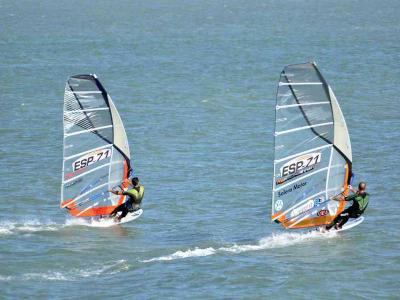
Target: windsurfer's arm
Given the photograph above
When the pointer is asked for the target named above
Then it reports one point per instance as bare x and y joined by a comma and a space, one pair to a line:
115, 192
338, 197
350, 198
353, 190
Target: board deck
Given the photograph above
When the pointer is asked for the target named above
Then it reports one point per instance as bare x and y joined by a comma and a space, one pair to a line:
350, 224
107, 222
131, 216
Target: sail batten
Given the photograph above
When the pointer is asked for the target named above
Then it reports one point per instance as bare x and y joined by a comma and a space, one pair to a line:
88, 151
301, 153
85, 174
302, 104
96, 153
88, 130
302, 128
312, 152
300, 83
85, 110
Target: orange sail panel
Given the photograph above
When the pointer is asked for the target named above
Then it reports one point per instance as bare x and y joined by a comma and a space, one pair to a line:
96, 153
312, 150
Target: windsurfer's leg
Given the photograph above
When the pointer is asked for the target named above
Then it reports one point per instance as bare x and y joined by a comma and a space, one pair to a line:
347, 214
124, 213
114, 212
351, 213
334, 222
339, 219
117, 209
343, 221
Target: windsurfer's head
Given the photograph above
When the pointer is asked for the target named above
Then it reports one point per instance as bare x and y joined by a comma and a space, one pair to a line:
135, 181
362, 186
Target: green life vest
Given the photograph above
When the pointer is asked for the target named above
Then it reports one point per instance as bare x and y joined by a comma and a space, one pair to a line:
362, 201
135, 195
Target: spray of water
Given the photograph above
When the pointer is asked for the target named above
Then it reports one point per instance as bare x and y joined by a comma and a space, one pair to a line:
269, 242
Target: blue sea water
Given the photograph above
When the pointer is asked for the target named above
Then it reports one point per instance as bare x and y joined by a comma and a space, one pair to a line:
195, 84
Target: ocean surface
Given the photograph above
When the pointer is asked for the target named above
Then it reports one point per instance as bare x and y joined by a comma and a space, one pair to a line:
195, 84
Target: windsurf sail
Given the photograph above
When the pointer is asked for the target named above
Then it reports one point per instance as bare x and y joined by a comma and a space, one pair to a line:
96, 153
312, 150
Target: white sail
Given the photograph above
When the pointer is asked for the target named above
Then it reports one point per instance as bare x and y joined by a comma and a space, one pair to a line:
96, 152
312, 155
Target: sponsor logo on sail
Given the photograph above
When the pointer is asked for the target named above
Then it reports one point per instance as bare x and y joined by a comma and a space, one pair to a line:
295, 187
306, 206
303, 208
322, 212
278, 205
298, 166
319, 201
69, 184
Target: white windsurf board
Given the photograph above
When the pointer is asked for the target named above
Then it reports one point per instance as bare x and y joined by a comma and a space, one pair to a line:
107, 221
350, 224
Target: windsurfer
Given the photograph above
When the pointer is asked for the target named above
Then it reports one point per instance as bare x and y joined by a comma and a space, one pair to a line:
360, 203
135, 196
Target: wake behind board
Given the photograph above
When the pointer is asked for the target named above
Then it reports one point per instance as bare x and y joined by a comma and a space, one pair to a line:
351, 223
107, 221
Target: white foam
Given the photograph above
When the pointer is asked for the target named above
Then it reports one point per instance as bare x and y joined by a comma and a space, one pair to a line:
280, 240
73, 274
274, 241
8, 227
90, 222
35, 225
185, 254
5, 231
50, 276
5, 278
77, 221
109, 268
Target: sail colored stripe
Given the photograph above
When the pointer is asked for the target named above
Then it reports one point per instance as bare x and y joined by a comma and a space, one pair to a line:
96, 153
312, 151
